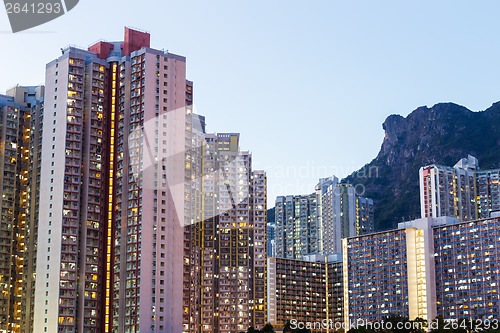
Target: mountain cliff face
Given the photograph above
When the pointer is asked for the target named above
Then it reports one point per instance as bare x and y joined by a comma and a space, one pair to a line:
442, 134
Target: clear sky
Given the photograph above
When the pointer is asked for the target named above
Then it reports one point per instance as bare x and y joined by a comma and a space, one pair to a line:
308, 84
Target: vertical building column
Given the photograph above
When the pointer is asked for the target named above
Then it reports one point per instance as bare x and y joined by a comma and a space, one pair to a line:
271, 290
109, 231
345, 279
411, 259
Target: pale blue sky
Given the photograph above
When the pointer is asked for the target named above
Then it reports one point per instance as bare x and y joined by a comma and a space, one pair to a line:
308, 84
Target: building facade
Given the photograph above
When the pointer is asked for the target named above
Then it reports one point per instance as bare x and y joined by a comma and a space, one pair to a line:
343, 214
67, 175
376, 286
316, 223
151, 138
32, 210
467, 262
308, 290
487, 192
119, 213
364, 215
116, 140
16, 225
226, 258
297, 226
425, 268
463, 191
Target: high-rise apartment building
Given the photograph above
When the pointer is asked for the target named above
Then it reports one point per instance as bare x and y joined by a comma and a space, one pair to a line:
467, 262
297, 226
366, 265
308, 290
487, 192
316, 223
19, 109
365, 222
463, 191
425, 268
343, 213
34, 97
385, 273
69, 253
225, 288
117, 132
446, 191
33, 203
152, 162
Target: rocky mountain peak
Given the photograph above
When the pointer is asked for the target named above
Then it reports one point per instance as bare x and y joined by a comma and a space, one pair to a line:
441, 134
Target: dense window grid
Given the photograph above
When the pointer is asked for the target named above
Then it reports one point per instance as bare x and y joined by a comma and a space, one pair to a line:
377, 275
467, 269
307, 291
